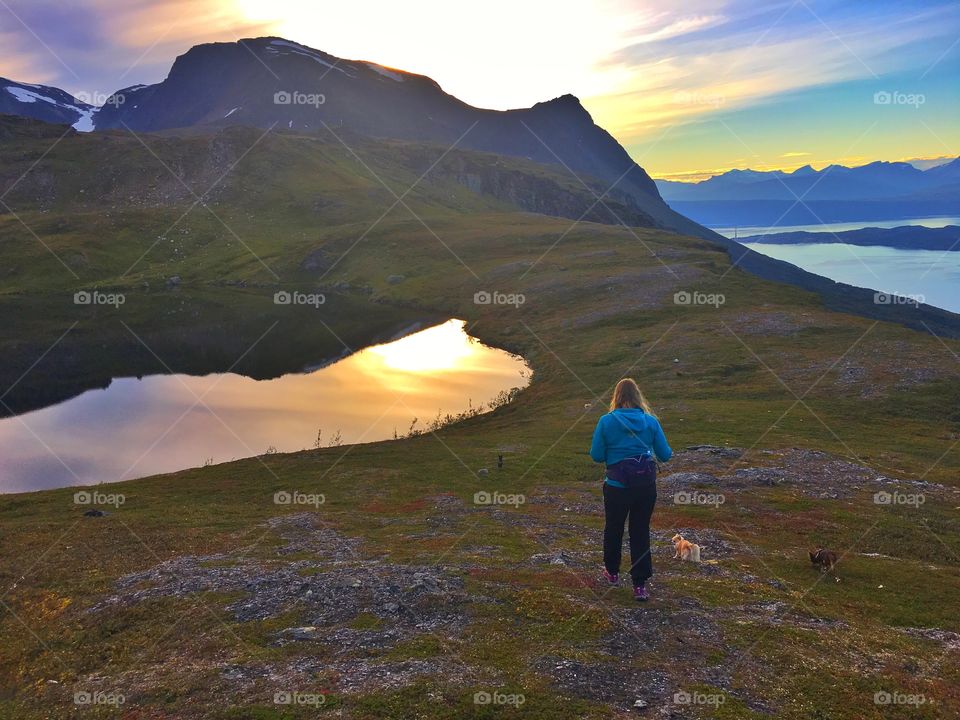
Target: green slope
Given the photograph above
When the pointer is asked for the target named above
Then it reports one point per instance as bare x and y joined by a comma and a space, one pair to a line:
766, 371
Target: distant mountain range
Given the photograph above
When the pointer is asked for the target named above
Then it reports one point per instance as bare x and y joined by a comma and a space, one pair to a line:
909, 237
876, 191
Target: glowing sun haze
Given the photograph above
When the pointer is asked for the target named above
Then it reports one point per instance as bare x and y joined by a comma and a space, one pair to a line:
689, 88
442, 348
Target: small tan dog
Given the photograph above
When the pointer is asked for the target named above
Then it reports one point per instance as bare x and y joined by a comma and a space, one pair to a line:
686, 550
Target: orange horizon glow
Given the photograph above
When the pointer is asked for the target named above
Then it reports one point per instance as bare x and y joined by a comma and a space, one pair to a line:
695, 176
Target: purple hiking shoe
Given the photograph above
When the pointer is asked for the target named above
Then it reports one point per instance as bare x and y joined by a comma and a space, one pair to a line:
640, 593
611, 578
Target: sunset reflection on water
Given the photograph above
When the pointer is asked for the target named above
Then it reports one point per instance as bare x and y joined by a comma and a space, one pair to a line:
164, 423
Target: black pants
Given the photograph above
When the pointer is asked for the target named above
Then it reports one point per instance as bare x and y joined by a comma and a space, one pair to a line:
637, 504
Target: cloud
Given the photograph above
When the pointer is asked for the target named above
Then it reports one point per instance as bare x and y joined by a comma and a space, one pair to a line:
98, 46
677, 27
794, 154
756, 56
19, 62
141, 24
692, 176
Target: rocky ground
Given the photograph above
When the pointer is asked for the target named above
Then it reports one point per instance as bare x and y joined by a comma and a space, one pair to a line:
340, 615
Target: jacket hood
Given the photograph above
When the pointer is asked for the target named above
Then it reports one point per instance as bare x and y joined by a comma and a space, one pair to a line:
633, 419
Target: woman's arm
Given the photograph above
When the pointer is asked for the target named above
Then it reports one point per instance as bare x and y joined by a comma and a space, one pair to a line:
660, 446
598, 448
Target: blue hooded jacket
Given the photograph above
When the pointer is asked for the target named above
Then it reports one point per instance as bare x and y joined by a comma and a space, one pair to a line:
628, 432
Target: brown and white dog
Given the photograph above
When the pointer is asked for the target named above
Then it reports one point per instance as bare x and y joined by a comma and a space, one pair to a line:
823, 559
685, 550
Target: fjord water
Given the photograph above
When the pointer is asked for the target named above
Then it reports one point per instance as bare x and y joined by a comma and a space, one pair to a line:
930, 276
162, 423
744, 231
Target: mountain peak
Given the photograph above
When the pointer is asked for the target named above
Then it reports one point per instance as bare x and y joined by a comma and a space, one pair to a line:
565, 99
567, 104
271, 82
889, 165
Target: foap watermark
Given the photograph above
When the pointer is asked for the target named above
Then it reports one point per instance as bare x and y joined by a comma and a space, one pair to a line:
95, 497
485, 297
685, 297
101, 99
295, 497
882, 697
498, 698
694, 497
684, 97
898, 498
98, 697
95, 297
897, 298
895, 97
295, 97
294, 697
498, 498
682, 697
283, 297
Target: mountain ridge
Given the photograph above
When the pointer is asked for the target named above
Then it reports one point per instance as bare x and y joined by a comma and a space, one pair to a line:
357, 95
872, 180
273, 82
879, 190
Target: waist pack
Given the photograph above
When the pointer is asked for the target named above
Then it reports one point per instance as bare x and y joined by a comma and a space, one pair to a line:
633, 471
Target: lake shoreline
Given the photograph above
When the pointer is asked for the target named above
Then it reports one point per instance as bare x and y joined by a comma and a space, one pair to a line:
169, 422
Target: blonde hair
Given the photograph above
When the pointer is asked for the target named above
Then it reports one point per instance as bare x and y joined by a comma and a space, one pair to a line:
627, 395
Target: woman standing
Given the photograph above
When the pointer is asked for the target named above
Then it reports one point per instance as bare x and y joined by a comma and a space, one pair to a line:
629, 439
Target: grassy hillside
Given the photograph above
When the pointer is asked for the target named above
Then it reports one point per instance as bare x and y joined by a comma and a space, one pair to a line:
399, 596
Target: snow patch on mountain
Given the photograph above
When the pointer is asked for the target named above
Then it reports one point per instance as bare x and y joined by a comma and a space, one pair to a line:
27, 96
297, 49
85, 121
386, 72
85, 113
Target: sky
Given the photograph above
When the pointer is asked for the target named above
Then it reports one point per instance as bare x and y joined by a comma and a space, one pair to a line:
690, 88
